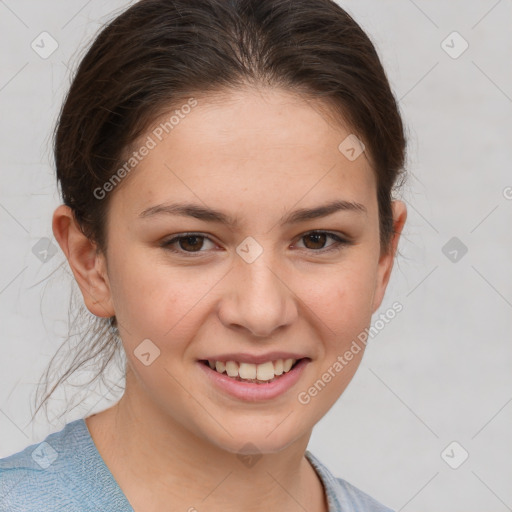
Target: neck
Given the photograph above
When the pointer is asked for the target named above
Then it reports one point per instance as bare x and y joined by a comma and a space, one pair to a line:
157, 461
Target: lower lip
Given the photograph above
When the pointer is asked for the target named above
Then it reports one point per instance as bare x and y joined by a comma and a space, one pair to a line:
251, 391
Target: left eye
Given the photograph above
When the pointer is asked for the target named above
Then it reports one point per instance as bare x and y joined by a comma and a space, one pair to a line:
320, 237
190, 243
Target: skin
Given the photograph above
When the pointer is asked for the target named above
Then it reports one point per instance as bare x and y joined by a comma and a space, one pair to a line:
256, 155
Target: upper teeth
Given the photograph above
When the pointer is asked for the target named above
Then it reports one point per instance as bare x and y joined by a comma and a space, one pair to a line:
263, 371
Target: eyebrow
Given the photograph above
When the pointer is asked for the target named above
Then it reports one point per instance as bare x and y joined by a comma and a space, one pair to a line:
210, 215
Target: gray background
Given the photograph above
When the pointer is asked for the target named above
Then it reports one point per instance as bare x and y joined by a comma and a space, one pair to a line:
440, 371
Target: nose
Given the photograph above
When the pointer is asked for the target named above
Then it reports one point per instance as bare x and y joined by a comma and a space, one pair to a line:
257, 299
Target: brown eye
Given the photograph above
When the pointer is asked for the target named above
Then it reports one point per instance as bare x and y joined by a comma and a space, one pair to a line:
191, 243
315, 241
188, 243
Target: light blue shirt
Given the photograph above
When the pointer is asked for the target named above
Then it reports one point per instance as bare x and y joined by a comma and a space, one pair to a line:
65, 472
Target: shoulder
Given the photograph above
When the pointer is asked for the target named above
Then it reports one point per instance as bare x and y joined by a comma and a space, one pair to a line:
359, 500
342, 495
42, 476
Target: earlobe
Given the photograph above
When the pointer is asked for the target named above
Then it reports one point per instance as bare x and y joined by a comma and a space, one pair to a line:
387, 258
87, 265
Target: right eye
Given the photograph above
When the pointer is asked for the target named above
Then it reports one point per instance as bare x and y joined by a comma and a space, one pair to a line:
188, 243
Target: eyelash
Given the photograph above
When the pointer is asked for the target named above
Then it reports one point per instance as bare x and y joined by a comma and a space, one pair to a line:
338, 245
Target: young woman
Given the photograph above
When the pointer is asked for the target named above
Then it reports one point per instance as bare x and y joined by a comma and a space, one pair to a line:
227, 170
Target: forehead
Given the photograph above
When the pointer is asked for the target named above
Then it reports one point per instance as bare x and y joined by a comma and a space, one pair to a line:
246, 146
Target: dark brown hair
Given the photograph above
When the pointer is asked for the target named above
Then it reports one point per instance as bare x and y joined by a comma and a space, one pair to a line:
157, 53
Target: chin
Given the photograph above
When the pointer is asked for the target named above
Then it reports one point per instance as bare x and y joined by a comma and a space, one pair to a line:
258, 439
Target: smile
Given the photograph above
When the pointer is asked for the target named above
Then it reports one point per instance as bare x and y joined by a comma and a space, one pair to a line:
264, 372
254, 382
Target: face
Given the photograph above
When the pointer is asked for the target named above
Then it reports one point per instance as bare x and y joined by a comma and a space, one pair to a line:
187, 287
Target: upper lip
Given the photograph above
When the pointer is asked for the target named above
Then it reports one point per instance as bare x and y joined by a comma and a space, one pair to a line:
255, 358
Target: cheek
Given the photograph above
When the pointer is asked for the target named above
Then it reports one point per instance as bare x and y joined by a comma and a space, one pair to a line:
156, 301
342, 296
143, 296
342, 302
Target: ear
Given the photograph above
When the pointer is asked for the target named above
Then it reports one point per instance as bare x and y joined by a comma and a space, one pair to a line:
387, 257
88, 266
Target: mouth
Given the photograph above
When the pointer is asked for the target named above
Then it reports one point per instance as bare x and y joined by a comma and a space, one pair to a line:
254, 382
261, 374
